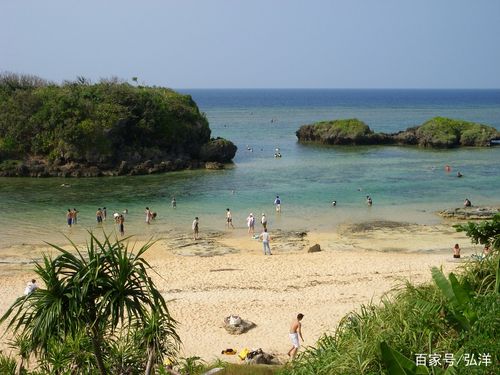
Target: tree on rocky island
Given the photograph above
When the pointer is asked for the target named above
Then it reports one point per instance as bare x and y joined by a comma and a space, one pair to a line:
79, 128
438, 132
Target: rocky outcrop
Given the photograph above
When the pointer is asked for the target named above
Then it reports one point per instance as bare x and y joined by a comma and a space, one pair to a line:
237, 327
438, 132
219, 150
79, 129
314, 249
470, 213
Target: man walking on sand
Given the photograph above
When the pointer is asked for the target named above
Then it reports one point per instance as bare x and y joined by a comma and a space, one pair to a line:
295, 332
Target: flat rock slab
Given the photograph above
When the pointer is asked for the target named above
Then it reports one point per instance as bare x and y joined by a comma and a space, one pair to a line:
470, 213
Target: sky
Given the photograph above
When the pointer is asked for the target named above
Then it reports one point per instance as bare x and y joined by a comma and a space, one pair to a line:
256, 43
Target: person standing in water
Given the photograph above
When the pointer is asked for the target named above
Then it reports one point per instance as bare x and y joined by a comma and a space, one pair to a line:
75, 216
251, 224
121, 221
229, 218
277, 203
263, 221
174, 202
98, 216
294, 333
149, 215
369, 201
69, 218
196, 228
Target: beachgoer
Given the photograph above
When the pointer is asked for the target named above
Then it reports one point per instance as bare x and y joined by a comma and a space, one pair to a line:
69, 217
174, 202
98, 215
116, 216
104, 213
229, 218
30, 287
456, 251
295, 332
467, 202
149, 215
447, 168
459, 174
251, 223
125, 211
277, 203
75, 216
153, 215
196, 228
334, 203
263, 221
369, 201
121, 220
265, 237
486, 250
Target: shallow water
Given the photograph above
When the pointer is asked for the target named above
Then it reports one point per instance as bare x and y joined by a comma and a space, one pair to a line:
406, 183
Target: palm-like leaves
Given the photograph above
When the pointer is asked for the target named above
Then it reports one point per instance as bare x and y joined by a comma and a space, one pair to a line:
98, 291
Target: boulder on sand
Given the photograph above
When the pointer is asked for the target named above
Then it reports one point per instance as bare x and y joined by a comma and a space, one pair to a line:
314, 249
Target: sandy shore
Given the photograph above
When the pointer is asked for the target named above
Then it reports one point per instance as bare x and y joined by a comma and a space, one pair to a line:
226, 273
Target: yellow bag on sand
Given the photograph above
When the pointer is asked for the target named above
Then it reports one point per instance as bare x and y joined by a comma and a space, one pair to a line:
243, 353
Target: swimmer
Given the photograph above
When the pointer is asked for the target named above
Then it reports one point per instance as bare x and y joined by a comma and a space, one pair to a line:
369, 201
467, 203
125, 211
334, 203
459, 174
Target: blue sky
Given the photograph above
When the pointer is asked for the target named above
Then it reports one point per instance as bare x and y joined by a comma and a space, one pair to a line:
257, 43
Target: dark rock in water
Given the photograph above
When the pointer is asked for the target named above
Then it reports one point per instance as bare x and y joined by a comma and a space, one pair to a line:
470, 213
314, 249
220, 150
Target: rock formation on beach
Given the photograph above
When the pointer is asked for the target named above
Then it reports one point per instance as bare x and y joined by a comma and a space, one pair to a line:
438, 132
470, 213
81, 129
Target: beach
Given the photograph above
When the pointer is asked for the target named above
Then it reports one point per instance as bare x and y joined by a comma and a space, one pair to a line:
226, 272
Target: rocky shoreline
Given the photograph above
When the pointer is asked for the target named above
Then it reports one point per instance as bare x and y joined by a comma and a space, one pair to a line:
470, 213
42, 168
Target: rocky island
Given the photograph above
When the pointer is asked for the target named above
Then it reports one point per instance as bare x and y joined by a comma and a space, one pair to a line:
438, 132
81, 129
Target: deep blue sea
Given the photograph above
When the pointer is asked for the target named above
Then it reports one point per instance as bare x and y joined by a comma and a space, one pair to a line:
406, 183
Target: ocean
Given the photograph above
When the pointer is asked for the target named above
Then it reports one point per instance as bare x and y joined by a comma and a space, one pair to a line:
405, 183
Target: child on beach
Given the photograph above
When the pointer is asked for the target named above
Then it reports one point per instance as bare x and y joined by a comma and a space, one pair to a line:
456, 251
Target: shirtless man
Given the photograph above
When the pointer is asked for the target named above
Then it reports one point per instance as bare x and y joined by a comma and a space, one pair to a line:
295, 332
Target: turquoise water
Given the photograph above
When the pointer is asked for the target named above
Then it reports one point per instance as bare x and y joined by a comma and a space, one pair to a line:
405, 183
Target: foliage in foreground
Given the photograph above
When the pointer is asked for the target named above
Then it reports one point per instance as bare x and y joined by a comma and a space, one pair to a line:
99, 312
457, 315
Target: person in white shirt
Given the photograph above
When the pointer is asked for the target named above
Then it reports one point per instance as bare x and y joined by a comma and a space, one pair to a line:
229, 218
265, 237
30, 287
263, 221
195, 227
251, 223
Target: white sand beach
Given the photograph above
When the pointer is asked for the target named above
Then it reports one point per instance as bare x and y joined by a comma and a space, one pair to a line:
357, 264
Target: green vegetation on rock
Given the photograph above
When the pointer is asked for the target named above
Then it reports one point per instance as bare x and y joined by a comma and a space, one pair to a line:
438, 132
102, 124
